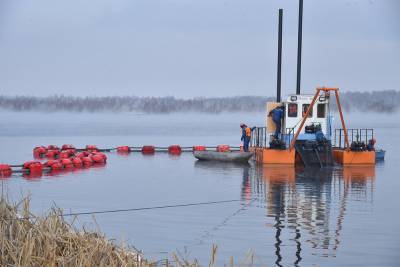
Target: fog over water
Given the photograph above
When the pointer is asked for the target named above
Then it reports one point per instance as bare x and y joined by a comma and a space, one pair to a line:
377, 101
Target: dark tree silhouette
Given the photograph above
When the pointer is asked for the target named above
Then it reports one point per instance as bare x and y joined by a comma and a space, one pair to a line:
377, 101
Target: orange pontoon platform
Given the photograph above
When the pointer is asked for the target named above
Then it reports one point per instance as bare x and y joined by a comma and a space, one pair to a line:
347, 157
275, 156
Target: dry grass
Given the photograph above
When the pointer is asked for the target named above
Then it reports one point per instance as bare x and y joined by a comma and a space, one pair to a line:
28, 240
51, 241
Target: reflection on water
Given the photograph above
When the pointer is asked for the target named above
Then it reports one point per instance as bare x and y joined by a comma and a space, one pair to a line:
310, 202
304, 206
218, 166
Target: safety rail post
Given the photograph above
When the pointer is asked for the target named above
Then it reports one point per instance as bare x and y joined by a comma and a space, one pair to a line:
256, 137
358, 132
335, 138
262, 137
346, 138
265, 137
289, 132
352, 136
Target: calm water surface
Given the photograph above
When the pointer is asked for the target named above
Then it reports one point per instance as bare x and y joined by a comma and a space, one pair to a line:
286, 216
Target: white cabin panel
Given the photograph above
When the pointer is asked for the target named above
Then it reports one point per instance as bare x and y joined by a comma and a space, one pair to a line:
297, 105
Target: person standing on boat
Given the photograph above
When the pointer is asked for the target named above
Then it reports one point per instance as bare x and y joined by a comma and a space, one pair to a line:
277, 115
371, 145
246, 135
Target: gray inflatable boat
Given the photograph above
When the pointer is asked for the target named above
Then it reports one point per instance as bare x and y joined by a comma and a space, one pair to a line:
223, 156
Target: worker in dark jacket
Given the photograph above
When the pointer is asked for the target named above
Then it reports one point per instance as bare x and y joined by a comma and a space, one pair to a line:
371, 145
277, 115
246, 135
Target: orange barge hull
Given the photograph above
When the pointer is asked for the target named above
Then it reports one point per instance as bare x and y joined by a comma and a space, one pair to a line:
345, 157
275, 156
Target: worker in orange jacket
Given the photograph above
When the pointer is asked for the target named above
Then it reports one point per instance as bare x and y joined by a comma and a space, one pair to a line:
246, 135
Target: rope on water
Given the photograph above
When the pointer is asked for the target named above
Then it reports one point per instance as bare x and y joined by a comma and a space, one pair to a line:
151, 208
134, 209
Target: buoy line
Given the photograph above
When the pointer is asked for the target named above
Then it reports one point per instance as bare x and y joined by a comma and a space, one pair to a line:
68, 157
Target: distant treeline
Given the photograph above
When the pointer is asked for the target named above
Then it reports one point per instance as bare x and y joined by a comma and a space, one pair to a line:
378, 101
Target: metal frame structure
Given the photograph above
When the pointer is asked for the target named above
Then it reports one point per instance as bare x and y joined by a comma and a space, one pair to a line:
260, 138
305, 116
359, 135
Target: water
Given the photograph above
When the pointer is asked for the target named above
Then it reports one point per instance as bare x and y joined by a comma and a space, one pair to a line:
286, 216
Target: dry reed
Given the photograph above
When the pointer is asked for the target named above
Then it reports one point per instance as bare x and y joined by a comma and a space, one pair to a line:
27, 240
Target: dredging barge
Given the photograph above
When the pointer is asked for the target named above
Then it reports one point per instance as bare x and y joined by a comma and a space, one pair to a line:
307, 137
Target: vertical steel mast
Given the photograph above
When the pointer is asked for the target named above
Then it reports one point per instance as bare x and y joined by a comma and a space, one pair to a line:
299, 43
278, 80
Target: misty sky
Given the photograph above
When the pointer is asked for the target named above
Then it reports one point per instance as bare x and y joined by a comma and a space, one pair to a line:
188, 48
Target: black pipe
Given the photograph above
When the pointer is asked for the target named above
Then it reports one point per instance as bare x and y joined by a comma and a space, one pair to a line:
278, 81
299, 43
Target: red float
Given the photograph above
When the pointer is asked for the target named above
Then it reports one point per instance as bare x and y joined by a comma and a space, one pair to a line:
56, 166
82, 154
68, 146
71, 151
98, 158
91, 148
148, 150
50, 162
123, 149
52, 154
65, 154
28, 163
100, 154
223, 148
175, 149
67, 164
53, 147
77, 162
5, 171
35, 169
199, 148
39, 152
87, 161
